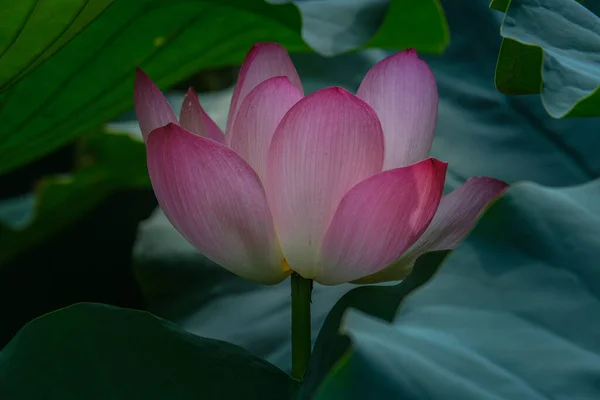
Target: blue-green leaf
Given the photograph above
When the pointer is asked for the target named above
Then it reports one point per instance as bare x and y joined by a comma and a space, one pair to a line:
551, 47
511, 314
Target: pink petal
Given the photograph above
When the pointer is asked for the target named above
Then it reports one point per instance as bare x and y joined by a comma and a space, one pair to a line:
457, 213
326, 143
151, 107
216, 201
263, 61
379, 219
403, 92
257, 118
453, 220
194, 119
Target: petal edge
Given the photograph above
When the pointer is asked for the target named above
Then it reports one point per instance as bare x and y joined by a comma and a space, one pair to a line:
402, 90
258, 117
326, 143
378, 219
196, 120
455, 217
151, 107
263, 61
216, 201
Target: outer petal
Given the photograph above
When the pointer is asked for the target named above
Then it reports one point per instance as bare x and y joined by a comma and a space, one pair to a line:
216, 201
403, 92
151, 107
454, 218
328, 142
379, 219
263, 61
194, 119
257, 118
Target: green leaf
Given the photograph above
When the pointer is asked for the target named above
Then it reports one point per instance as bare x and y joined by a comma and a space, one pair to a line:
93, 351
511, 315
380, 301
417, 24
502, 5
108, 162
519, 68
387, 24
551, 47
499, 5
33, 30
89, 81
481, 131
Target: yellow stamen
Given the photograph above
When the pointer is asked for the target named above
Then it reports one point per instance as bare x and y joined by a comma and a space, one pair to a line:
286, 267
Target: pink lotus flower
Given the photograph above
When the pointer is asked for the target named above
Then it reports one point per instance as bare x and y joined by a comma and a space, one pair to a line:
333, 186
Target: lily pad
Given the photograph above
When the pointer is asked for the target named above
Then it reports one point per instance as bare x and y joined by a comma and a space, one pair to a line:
551, 47
511, 314
381, 301
94, 351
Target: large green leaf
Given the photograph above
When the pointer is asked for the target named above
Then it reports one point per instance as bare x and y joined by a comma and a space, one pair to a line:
511, 315
33, 30
551, 47
93, 351
484, 132
108, 163
89, 81
406, 24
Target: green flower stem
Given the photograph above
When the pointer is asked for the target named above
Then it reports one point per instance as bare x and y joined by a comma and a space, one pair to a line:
301, 343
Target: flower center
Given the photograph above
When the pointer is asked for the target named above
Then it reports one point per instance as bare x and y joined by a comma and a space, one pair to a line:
286, 267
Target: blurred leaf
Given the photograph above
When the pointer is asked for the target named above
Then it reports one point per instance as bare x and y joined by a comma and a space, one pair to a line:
502, 5
499, 5
512, 315
551, 47
417, 24
88, 260
325, 22
387, 24
108, 162
519, 68
481, 131
93, 351
71, 240
90, 79
380, 301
